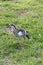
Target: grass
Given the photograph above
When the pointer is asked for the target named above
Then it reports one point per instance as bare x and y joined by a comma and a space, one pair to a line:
27, 14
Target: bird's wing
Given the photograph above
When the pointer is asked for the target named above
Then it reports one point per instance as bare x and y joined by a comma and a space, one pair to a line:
20, 29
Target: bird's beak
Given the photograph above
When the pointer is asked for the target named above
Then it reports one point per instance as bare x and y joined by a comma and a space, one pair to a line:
8, 26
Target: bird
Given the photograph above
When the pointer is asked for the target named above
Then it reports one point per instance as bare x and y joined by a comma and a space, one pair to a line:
18, 32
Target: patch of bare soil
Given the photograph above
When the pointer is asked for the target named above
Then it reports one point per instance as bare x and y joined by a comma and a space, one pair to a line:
22, 11
6, 61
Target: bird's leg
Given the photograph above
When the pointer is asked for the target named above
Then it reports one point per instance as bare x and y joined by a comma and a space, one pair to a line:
17, 40
23, 40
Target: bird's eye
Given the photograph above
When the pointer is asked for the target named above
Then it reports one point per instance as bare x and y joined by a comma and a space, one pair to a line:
9, 27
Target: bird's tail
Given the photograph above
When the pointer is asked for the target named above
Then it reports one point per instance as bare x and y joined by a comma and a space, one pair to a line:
28, 36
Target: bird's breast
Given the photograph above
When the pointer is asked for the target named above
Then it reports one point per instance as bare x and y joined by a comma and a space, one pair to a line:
20, 33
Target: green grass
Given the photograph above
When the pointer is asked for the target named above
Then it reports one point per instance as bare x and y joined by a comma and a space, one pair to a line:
27, 14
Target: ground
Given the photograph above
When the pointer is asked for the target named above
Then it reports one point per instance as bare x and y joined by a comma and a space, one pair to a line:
27, 14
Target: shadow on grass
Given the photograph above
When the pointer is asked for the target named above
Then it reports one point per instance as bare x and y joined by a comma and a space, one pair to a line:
11, 48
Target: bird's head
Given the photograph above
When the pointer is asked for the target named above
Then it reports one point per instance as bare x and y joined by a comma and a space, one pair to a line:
11, 27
